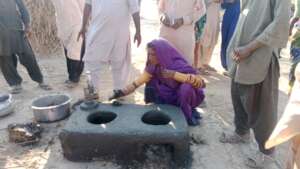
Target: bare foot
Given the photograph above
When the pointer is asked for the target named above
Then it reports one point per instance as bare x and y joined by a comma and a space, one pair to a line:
262, 161
203, 71
70, 84
209, 68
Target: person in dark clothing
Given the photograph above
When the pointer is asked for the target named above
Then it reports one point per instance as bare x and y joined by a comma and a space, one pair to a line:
14, 45
68, 22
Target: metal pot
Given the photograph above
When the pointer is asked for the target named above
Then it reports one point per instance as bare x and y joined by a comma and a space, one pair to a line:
51, 108
6, 104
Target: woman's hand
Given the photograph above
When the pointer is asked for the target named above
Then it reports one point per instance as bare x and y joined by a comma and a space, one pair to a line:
124, 92
196, 81
129, 89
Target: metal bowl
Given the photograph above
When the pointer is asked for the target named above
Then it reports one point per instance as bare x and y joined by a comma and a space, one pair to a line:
51, 108
6, 105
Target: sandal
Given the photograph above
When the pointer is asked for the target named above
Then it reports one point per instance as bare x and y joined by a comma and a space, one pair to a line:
209, 68
45, 86
196, 114
234, 138
262, 161
70, 84
203, 71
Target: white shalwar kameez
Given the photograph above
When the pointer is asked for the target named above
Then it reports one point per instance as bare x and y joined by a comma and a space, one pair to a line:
108, 40
68, 20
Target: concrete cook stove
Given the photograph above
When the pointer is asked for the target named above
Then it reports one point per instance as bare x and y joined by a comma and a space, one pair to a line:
108, 132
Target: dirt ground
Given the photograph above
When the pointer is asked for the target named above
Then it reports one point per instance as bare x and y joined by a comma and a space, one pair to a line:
218, 115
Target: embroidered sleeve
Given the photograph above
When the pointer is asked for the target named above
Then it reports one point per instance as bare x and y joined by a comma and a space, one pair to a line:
144, 78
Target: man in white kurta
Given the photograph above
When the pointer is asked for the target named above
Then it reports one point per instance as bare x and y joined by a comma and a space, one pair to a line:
178, 21
108, 38
68, 20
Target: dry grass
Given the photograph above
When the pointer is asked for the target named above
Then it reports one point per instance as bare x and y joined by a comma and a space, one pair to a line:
44, 39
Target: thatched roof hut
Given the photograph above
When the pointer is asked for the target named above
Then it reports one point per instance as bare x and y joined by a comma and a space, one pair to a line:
43, 39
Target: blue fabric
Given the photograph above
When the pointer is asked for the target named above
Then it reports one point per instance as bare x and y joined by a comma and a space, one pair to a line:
295, 54
230, 19
199, 26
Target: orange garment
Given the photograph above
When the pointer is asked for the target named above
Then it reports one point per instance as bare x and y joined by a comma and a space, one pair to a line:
288, 128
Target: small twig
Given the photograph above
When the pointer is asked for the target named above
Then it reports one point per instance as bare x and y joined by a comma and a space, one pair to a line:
43, 157
50, 142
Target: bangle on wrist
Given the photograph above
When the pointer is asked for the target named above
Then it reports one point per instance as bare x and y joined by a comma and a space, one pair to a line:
135, 85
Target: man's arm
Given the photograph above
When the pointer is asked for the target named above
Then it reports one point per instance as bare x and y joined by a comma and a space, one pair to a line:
276, 34
24, 14
135, 11
86, 16
137, 23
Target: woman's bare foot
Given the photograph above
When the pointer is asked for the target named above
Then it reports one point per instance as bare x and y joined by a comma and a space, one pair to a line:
209, 68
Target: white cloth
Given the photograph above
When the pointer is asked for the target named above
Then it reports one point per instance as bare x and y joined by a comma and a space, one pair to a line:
183, 38
108, 40
68, 20
288, 126
98, 69
211, 30
108, 36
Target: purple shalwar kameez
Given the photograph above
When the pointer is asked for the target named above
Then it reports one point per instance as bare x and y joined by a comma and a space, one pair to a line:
169, 91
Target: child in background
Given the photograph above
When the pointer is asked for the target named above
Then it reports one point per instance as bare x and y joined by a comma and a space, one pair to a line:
295, 52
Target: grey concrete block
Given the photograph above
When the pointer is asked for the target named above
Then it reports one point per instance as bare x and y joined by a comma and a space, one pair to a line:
121, 132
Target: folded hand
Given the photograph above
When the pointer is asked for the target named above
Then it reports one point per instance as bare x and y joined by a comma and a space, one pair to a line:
241, 53
165, 20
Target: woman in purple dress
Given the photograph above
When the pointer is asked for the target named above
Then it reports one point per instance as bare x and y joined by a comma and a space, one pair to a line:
169, 80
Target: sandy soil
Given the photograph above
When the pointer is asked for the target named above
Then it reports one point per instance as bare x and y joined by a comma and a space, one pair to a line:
218, 115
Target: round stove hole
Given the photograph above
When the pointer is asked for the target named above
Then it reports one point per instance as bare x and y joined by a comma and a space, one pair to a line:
155, 117
101, 117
